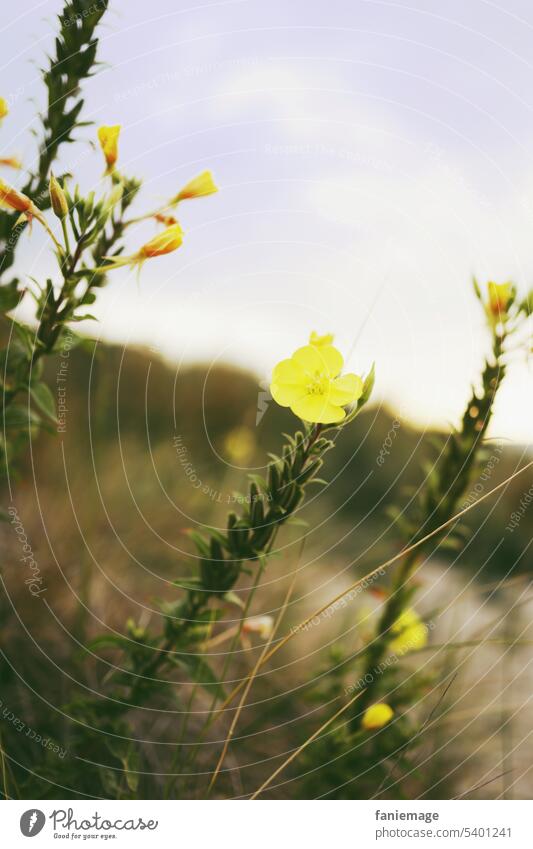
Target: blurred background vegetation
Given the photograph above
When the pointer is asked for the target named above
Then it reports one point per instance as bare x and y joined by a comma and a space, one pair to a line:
106, 506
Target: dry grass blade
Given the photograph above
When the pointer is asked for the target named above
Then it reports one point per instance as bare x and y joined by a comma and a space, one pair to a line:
250, 681
292, 633
309, 740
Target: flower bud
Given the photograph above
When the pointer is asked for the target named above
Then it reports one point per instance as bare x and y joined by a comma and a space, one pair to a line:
11, 162
58, 198
198, 187
108, 138
164, 243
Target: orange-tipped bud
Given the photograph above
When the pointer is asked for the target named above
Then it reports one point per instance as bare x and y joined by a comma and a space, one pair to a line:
108, 138
11, 162
167, 220
198, 187
500, 296
15, 200
164, 243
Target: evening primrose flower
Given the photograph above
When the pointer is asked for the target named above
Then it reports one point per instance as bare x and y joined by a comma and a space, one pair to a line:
310, 385
164, 243
108, 138
500, 296
198, 187
409, 633
376, 716
315, 339
4, 108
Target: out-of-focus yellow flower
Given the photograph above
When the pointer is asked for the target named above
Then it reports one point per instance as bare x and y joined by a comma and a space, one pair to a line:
261, 625
376, 716
315, 339
309, 384
410, 633
164, 243
499, 298
239, 444
11, 162
4, 108
198, 187
108, 138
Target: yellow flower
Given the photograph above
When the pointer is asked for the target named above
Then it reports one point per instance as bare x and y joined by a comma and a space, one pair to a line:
164, 243
500, 296
11, 162
317, 340
198, 187
376, 716
308, 383
411, 633
4, 109
108, 138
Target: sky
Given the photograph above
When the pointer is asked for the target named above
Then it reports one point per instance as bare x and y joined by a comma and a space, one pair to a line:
371, 156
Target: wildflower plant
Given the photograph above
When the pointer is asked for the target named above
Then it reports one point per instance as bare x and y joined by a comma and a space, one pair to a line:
143, 668
86, 232
221, 559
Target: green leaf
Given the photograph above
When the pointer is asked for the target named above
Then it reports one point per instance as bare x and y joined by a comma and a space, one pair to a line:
9, 296
233, 598
200, 672
44, 399
18, 416
105, 641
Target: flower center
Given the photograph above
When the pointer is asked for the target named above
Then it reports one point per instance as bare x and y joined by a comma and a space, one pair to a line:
318, 384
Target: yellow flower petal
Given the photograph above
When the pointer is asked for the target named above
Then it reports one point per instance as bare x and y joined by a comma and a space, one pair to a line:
346, 389
325, 360
317, 409
287, 394
288, 371
376, 716
315, 339
4, 109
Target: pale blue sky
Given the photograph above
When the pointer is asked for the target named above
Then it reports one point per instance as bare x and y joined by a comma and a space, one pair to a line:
371, 157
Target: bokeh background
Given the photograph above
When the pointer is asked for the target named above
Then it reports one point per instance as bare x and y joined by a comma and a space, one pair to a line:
371, 157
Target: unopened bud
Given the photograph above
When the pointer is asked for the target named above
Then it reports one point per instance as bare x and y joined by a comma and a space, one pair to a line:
58, 198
